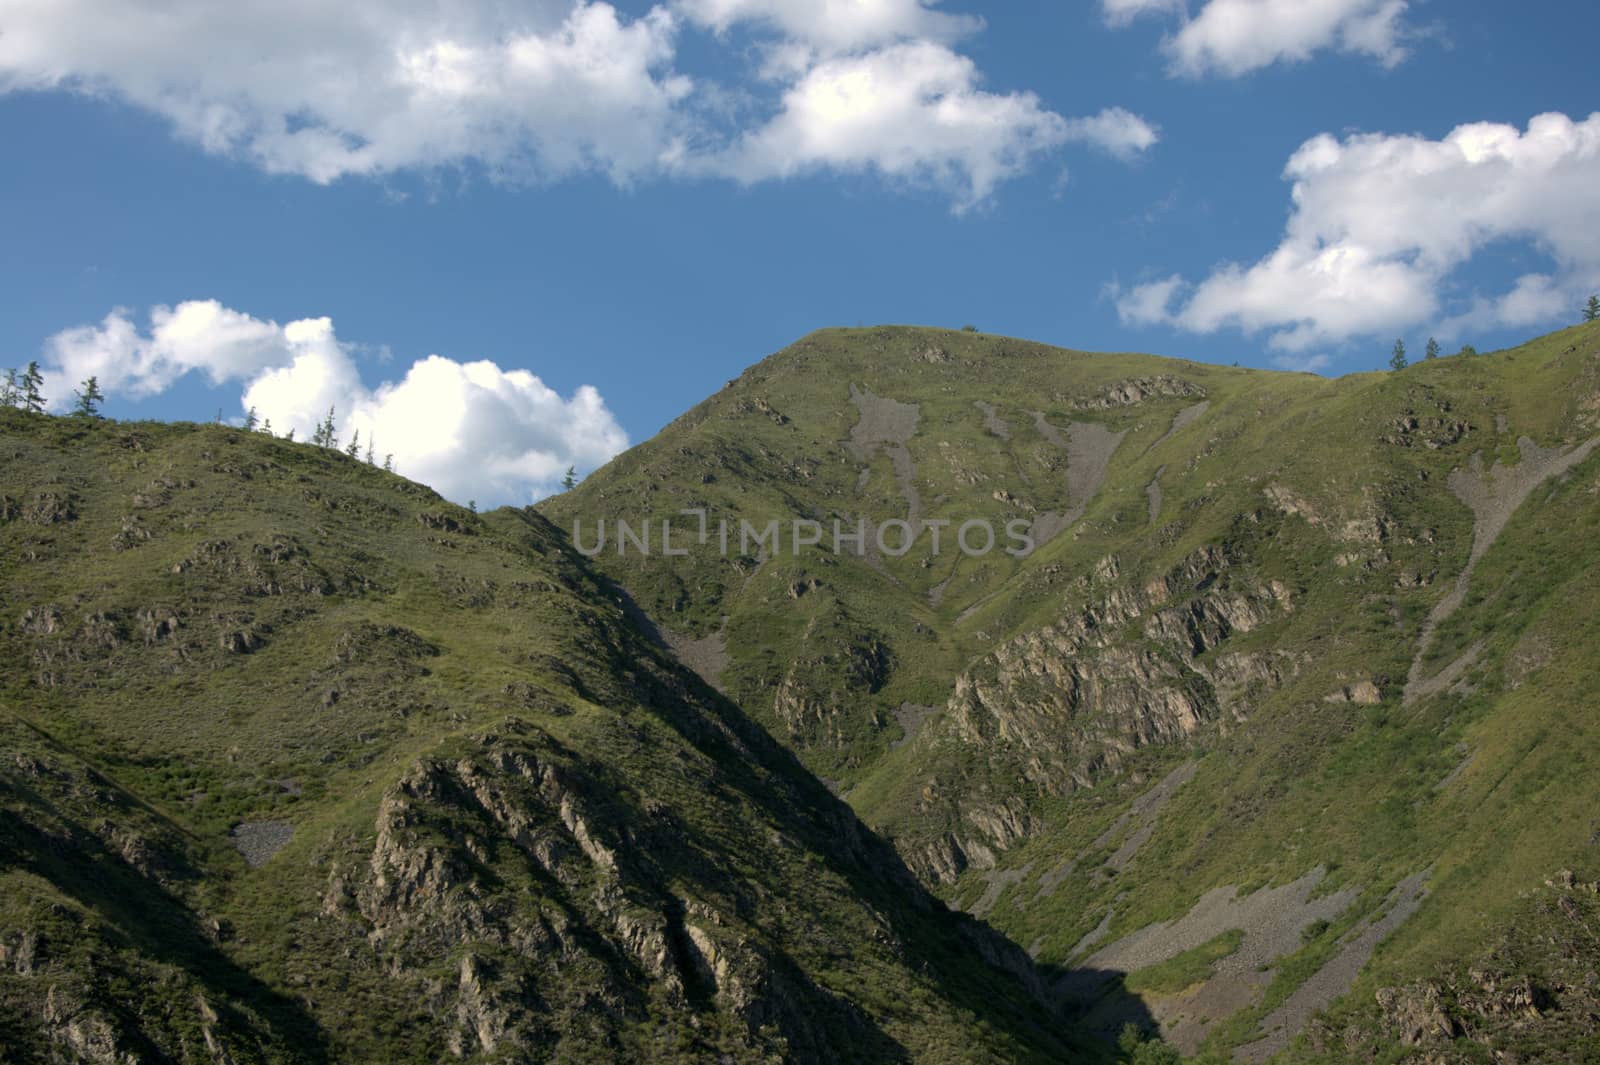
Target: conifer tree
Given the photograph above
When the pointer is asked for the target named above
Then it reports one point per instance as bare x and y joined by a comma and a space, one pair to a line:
10, 391
354, 450
1432, 351
570, 481
89, 397
1397, 361
266, 427
1591, 310
371, 439
388, 463
250, 420
32, 382
326, 435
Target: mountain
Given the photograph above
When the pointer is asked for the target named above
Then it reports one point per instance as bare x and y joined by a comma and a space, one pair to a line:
301, 763
1271, 712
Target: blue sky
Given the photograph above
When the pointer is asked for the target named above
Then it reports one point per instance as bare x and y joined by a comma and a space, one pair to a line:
645, 200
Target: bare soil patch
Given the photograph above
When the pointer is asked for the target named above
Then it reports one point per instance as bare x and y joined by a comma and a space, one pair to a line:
258, 841
1338, 975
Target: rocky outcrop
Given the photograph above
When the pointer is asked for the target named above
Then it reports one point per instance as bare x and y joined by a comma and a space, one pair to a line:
449, 835
1068, 703
822, 701
1121, 674
1138, 389
1362, 693
1533, 996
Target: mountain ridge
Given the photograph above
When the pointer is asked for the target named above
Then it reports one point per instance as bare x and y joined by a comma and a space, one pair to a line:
303, 763
1256, 551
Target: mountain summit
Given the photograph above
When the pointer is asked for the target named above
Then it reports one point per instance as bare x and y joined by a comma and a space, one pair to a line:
921, 696
1272, 695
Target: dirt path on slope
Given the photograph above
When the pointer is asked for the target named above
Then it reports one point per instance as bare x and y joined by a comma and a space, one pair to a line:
998, 881
1493, 495
1271, 920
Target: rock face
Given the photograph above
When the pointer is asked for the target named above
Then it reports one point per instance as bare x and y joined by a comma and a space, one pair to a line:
449, 832
1139, 389
623, 916
1068, 703
819, 701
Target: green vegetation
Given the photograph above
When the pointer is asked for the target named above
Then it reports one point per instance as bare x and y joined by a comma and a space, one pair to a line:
87, 399
1187, 969
306, 764
486, 814
1136, 1048
1246, 593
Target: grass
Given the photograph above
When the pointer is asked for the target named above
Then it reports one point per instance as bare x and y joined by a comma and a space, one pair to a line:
1305, 482
1186, 970
331, 639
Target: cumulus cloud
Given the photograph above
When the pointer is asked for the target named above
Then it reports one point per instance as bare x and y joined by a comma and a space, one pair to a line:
1235, 37
915, 112
1380, 225
201, 335
470, 430
1145, 304
362, 87
1115, 131
545, 89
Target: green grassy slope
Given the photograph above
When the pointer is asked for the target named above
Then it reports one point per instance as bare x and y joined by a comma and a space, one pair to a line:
1244, 595
487, 819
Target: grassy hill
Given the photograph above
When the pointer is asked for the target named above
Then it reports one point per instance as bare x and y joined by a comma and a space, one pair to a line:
1293, 702
300, 763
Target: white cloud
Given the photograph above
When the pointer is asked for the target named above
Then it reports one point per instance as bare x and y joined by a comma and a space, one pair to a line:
544, 89
200, 335
470, 430
1380, 225
1122, 12
1145, 304
835, 26
368, 86
1115, 131
1235, 37
915, 113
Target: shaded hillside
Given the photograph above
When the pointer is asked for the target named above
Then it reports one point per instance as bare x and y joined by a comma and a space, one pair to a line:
1295, 693
301, 763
